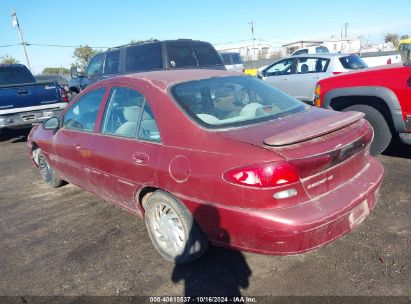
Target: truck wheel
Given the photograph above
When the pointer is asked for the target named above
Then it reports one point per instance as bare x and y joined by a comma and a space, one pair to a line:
48, 174
172, 229
382, 133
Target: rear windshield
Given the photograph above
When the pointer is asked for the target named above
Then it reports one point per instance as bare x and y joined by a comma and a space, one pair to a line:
236, 58
226, 58
222, 102
321, 50
15, 75
353, 62
206, 54
144, 57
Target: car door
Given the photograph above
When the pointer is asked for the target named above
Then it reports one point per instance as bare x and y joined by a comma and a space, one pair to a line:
278, 73
308, 71
73, 140
127, 147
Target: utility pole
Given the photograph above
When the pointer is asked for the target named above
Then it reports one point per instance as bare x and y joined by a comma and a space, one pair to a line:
16, 24
346, 27
252, 34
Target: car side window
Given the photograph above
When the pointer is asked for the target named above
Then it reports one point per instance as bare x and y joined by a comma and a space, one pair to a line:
148, 129
122, 112
283, 67
94, 67
112, 63
311, 65
82, 115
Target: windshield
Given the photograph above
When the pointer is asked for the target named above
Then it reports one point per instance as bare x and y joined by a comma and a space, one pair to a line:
221, 102
353, 62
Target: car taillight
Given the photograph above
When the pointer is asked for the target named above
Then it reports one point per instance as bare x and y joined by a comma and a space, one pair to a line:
336, 73
266, 175
64, 95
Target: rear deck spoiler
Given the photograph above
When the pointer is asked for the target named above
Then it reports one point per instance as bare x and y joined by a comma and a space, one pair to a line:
314, 129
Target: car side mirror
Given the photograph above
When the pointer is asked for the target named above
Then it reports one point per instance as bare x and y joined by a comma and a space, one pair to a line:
74, 72
51, 124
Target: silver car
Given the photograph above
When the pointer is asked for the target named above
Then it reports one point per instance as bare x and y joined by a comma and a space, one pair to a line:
298, 75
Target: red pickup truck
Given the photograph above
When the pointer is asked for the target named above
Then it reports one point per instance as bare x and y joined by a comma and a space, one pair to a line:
382, 93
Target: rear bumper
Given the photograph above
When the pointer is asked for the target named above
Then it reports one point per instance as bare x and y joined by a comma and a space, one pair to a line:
296, 229
27, 118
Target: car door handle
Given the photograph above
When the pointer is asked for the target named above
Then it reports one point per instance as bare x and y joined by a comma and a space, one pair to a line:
77, 146
285, 78
140, 159
316, 77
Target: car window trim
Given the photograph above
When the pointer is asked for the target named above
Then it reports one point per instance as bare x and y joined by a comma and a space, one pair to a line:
106, 102
72, 104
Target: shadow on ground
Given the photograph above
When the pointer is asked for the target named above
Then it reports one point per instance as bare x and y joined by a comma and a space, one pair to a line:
14, 135
398, 149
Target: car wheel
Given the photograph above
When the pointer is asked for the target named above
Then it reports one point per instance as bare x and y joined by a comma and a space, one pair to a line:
48, 174
382, 133
173, 230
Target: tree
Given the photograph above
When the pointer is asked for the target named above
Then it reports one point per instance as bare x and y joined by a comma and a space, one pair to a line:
83, 54
7, 59
393, 38
404, 37
56, 71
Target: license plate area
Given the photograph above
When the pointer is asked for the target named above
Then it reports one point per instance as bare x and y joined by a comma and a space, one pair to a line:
28, 117
358, 214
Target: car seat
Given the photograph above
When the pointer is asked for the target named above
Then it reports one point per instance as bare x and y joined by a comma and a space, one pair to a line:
304, 68
129, 127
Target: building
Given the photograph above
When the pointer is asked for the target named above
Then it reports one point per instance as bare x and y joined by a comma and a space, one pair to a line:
250, 51
334, 45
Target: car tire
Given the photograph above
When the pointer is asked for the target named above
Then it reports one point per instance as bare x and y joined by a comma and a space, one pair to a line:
173, 230
382, 132
48, 174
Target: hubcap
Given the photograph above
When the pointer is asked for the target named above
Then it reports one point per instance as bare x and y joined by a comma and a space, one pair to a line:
168, 229
44, 168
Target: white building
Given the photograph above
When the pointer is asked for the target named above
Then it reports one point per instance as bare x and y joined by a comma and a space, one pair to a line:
250, 51
334, 45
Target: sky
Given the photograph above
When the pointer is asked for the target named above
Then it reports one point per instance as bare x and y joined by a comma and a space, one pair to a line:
112, 23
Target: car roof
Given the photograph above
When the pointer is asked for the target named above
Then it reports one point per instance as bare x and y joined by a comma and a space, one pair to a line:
167, 78
323, 55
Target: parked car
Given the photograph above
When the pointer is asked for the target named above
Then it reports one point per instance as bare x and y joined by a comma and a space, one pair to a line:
23, 101
214, 156
147, 56
317, 49
60, 79
382, 93
232, 61
298, 75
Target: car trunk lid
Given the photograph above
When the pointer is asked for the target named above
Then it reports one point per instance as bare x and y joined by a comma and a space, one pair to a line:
327, 147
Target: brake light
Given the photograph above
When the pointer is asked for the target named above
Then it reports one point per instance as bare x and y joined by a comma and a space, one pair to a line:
64, 95
265, 175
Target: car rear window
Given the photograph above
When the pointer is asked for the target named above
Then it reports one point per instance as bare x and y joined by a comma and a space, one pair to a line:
206, 54
353, 62
321, 50
15, 75
236, 58
144, 57
180, 54
226, 58
233, 101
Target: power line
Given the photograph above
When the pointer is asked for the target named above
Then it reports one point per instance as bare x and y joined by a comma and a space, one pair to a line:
52, 45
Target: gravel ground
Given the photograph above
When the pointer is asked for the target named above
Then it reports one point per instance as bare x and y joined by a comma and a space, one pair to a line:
68, 242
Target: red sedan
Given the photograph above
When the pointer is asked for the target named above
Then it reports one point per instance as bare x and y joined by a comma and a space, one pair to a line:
212, 156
